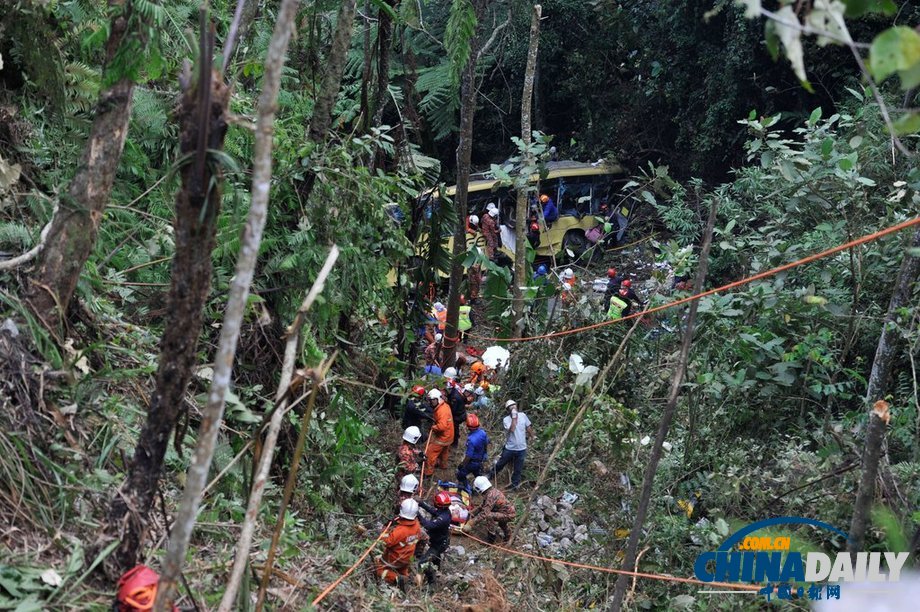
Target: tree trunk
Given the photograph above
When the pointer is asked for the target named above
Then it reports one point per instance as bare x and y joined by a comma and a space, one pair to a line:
212, 415
875, 391
197, 208
468, 91
667, 416
73, 231
520, 252
321, 120
384, 42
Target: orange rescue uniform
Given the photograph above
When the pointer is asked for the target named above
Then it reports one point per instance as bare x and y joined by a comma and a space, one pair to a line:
442, 436
400, 546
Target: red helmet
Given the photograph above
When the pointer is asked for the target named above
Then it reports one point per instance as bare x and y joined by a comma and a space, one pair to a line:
418, 390
626, 283
462, 299
611, 272
472, 421
442, 499
534, 227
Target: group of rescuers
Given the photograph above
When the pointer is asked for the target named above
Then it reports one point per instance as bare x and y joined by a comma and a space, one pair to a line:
422, 528
619, 299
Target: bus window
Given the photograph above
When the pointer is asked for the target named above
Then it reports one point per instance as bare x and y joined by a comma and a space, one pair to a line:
575, 196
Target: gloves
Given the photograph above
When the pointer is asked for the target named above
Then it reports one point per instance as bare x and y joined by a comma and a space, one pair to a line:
514, 413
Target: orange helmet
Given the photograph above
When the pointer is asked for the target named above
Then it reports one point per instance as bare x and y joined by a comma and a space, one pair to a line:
472, 421
418, 390
478, 367
442, 499
544, 198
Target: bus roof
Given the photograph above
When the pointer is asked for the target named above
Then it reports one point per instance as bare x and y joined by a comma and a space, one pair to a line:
558, 169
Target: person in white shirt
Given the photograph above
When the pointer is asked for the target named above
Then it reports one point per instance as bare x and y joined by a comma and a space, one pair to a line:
518, 427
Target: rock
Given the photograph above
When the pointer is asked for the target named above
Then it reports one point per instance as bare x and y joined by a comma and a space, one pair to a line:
565, 543
581, 529
459, 550
550, 510
599, 468
544, 501
581, 537
10, 327
564, 506
544, 539
543, 525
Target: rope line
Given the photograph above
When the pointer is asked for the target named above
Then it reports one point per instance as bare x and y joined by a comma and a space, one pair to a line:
738, 283
348, 572
608, 570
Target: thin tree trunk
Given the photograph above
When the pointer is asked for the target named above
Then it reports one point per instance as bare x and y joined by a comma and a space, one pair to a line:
667, 416
325, 98
72, 235
282, 399
366, 73
468, 91
384, 43
203, 121
875, 391
520, 251
212, 415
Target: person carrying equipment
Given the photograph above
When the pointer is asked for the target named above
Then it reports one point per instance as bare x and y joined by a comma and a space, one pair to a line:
474, 272
477, 446
438, 530
518, 427
409, 457
442, 433
629, 296
399, 545
494, 513
613, 285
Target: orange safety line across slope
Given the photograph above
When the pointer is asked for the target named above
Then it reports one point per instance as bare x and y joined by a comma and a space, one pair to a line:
744, 281
662, 577
348, 572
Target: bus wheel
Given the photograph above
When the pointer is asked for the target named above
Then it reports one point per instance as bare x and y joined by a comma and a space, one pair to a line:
574, 241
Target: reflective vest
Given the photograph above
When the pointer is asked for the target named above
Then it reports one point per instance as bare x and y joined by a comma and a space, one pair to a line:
465, 323
616, 307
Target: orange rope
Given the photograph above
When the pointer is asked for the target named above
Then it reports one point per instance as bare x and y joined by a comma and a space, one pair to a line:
732, 285
729, 585
348, 572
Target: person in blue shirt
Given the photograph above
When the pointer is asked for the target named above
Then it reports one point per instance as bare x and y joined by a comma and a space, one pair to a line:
550, 212
477, 446
481, 402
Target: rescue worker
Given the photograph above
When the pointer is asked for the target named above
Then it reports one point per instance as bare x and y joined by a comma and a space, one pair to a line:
442, 433
440, 314
450, 376
415, 413
477, 373
568, 285
540, 272
433, 351
490, 231
477, 447
400, 544
474, 273
457, 409
613, 284
616, 306
629, 296
482, 402
494, 513
533, 234
409, 456
518, 427
438, 530
550, 212
408, 488
465, 321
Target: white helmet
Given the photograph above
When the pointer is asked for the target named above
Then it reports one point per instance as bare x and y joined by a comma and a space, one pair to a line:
408, 509
408, 484
468, 388
438, 337
510, 403
568, 273
450, 373
474, 220
412, 434
491, 206
493, 212
439, 306
434, 394
481, 484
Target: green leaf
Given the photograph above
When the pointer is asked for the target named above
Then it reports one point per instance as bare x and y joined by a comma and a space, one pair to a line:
827, 147
771, 38
856, 141
857, 8
894, 50
791, 37
814, 117
648, 197
910, 78
907, 124
846, 164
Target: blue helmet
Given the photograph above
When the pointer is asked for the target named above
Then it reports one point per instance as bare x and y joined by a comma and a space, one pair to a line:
541, 270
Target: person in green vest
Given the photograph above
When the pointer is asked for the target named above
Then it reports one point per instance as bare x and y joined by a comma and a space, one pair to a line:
617, 306
465, 323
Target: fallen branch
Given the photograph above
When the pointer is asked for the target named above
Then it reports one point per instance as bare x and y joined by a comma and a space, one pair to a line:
15, 262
